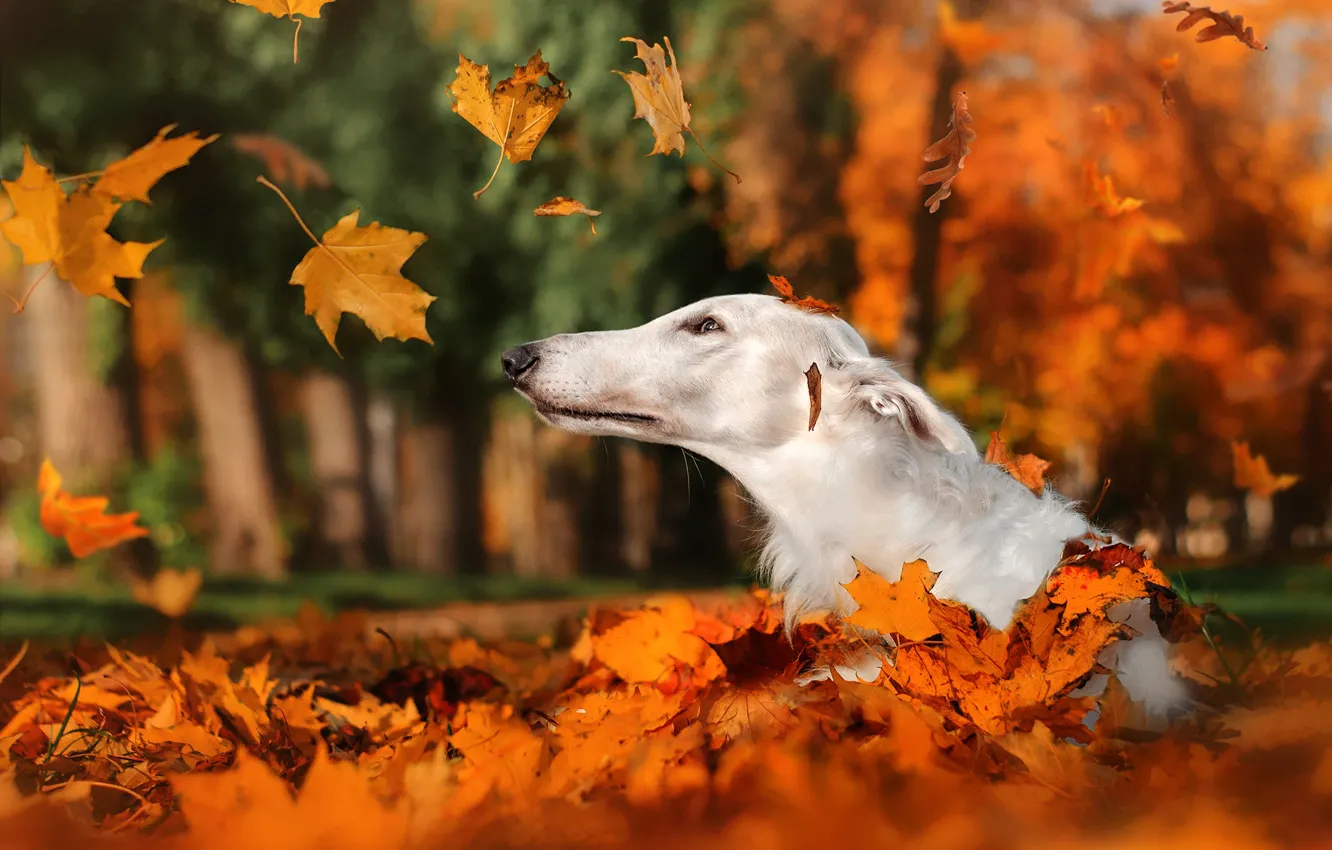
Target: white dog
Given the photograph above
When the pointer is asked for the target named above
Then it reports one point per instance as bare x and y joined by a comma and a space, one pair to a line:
885, 475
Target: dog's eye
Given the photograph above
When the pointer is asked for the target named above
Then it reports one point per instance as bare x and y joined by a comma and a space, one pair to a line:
708, 325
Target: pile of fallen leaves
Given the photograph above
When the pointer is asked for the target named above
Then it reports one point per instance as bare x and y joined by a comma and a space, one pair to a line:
678, 724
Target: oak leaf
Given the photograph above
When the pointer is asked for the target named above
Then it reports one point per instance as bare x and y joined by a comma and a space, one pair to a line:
659, 99
1028, 469
82, 520
894, 607
814, 380
1253, 474
357, 270
1223, 24
954, 146
787, 292
131, 178
560, 205
516, 114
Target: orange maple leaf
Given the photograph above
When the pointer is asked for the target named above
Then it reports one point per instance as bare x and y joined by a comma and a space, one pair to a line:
894, 607
70, 232
516, 114
955, 147
813, 305
1223, 24
170, 591
1253, 474
131, 178
1027, 469
289, 9
283, 160
560, 205
82, 520
646, 646
357, 270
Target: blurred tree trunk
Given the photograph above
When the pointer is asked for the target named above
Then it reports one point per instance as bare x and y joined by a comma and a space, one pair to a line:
245, 534
381, 439
640, 490
80, 421
439, 489
339, 470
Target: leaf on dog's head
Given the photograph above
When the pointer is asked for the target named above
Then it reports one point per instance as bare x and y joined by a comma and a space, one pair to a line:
814, 378
561, 205
1253, 474
1029, 470
1223, 24
955, 147
813, 305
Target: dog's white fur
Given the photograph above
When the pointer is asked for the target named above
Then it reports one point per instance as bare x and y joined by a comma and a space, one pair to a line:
885, 476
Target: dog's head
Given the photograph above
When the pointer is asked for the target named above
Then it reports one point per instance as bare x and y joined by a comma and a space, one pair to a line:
724, 377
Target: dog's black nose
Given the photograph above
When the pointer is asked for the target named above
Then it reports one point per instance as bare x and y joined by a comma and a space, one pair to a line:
518, 360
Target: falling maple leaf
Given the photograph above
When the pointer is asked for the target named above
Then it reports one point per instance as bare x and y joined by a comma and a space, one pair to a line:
70, 232
894, 607
954, 146
1253, 474
356, 269
1223, 24
814, 379
659, 99
1028, 469
170, 591
82, 520
787, 292
131, 178
283, 160
289, 9
516, 114
560, 205
1103, 194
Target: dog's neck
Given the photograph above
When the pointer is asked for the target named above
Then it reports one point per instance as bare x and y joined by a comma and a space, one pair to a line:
846, 490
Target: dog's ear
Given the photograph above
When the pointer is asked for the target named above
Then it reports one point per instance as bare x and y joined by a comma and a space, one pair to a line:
887, 394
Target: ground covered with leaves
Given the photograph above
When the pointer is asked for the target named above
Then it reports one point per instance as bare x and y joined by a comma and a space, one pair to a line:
678, 724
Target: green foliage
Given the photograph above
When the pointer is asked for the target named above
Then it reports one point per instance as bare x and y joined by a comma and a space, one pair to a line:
22, 512
165, 492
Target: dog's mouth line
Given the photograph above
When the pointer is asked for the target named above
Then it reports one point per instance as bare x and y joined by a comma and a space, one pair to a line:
573, 413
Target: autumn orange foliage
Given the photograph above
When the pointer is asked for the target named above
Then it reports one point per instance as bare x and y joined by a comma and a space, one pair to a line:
677, 724
82, 520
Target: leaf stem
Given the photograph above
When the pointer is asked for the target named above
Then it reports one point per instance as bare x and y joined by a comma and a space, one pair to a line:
690, 131
85, 176
20, 305
296, 40
266, 182
513, 104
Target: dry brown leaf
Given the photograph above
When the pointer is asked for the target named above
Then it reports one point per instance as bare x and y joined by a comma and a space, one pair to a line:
814, 379
954, 146
1223, 24
659, 99
561, 205
787, 292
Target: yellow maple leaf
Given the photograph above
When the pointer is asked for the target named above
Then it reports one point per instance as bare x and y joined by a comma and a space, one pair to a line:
356, 269
170, 591
1253, 474
899, 607
516, 114
70, 232
659, 99
130, 178
561, 205
288, 9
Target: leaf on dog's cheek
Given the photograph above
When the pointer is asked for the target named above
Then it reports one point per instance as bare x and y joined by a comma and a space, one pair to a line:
814, 378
